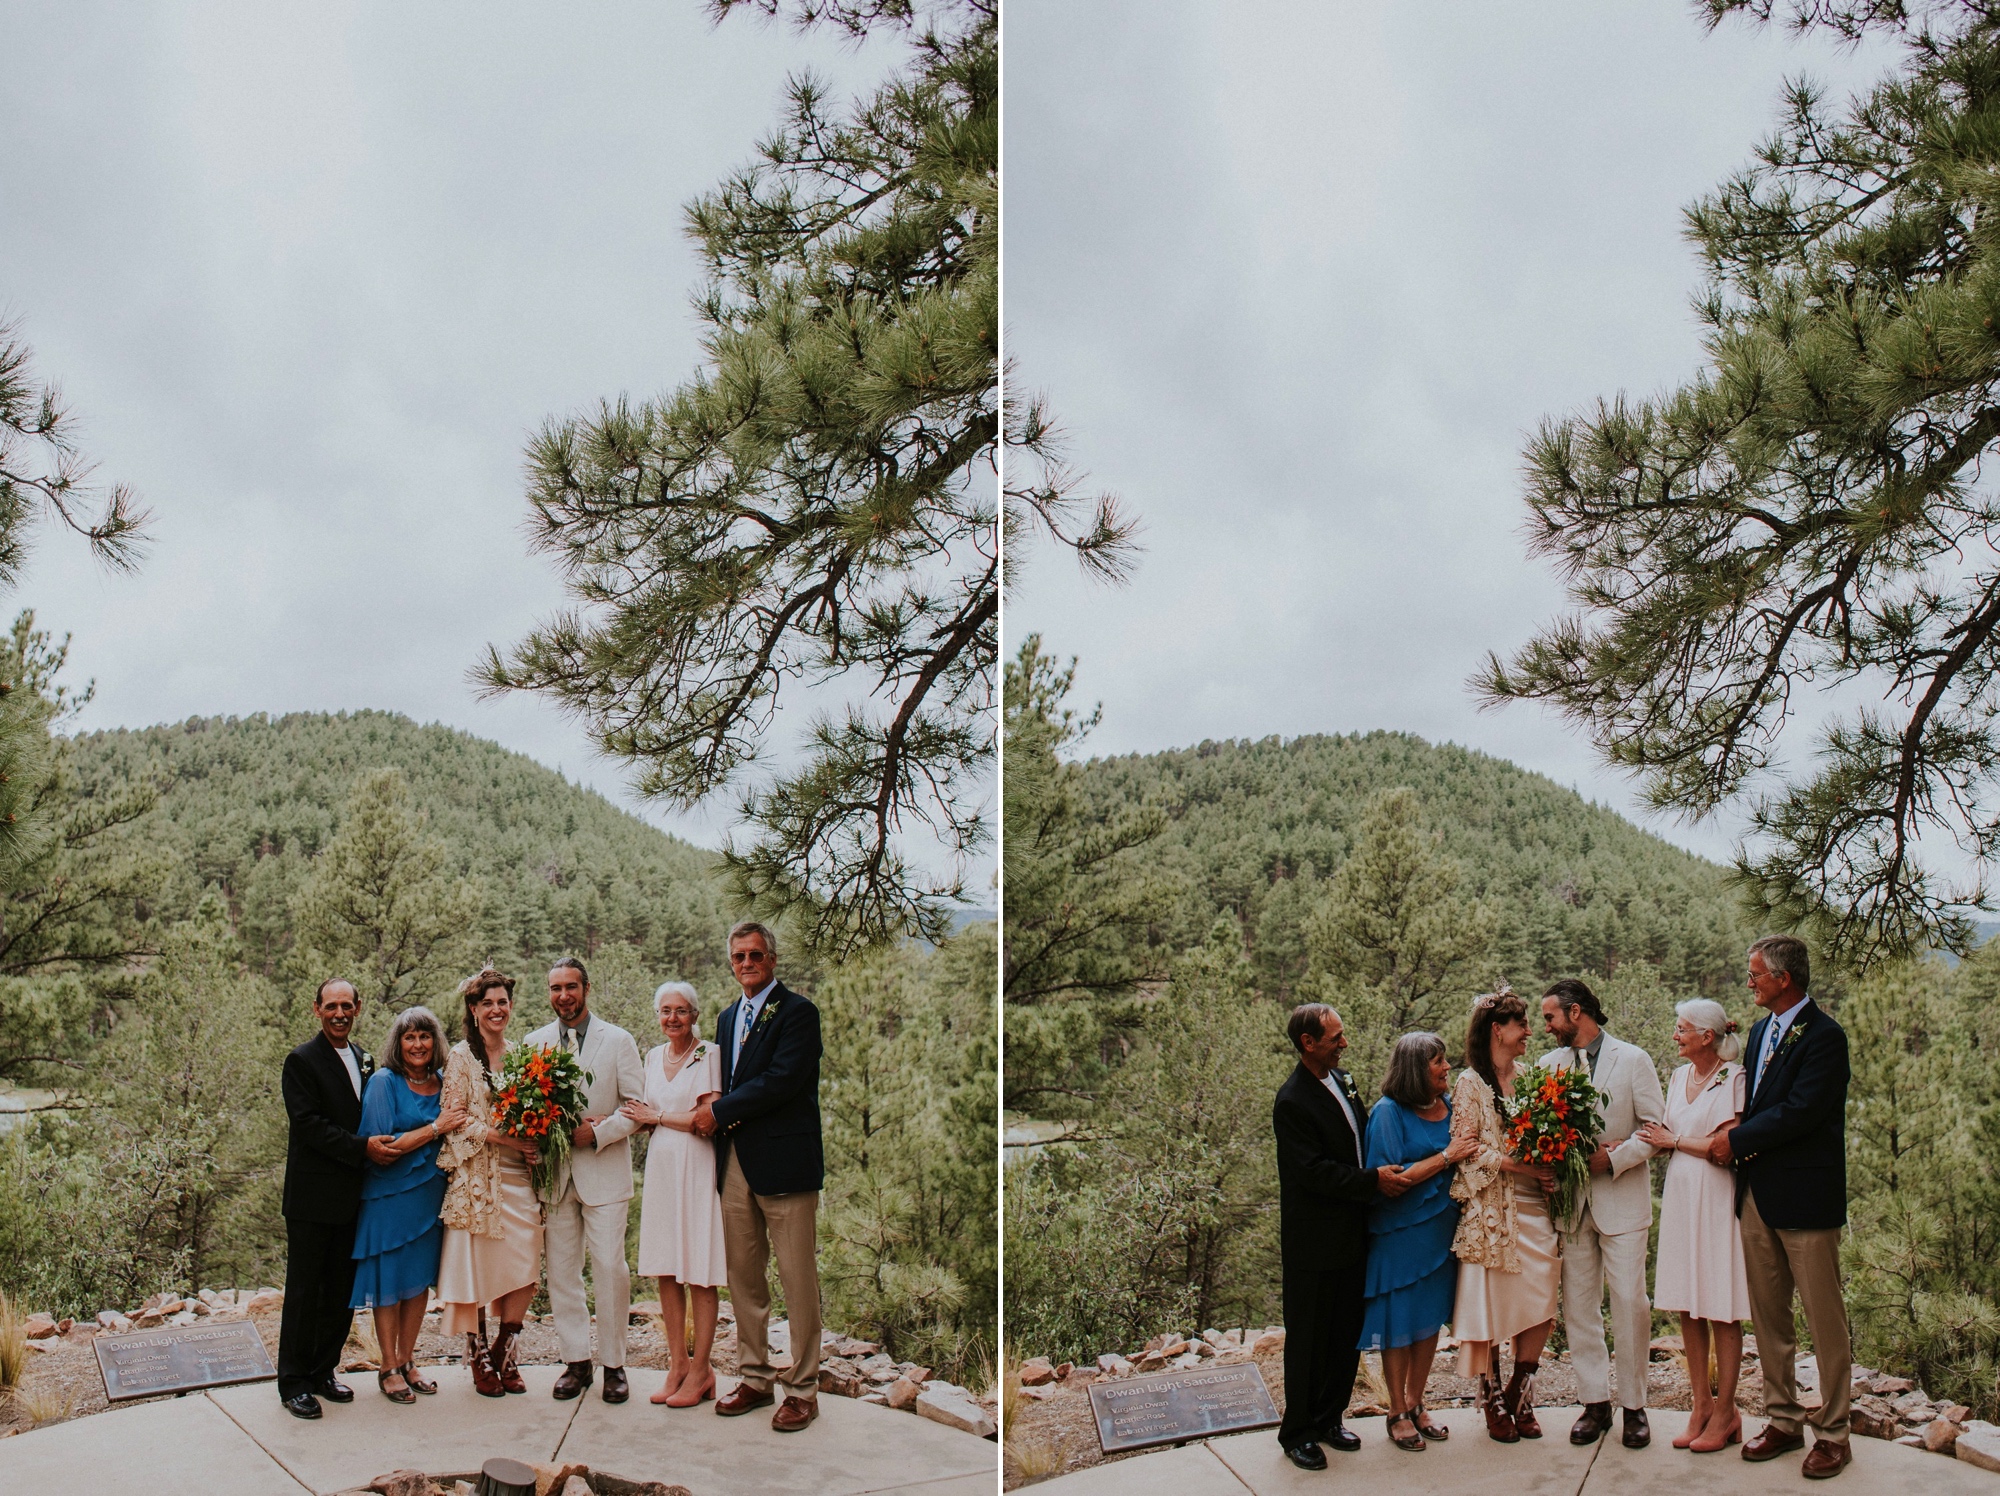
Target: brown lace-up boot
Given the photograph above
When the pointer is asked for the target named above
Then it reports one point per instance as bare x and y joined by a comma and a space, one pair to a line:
1499, 1422
505, 1346
484, 1380
1520, 1401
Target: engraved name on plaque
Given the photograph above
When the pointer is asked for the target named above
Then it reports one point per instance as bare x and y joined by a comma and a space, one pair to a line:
1171, 1406
150, 1363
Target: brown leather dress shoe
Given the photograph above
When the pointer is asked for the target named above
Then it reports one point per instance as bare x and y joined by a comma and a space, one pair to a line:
1771, 1443
1638, 1432
576, 1376
615, 1388
1592, 1425
743, 1399
795, 1414
1826, 1459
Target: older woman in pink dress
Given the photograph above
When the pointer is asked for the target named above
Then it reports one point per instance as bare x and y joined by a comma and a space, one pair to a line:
1699, 1271
680, 1212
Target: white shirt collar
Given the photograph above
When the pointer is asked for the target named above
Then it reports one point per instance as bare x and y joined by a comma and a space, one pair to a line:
1347, 1110
756, 1000
1782, 1022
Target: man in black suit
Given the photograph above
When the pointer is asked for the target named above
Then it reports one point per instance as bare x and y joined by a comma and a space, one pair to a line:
769, 1167
324, 1159
1790, 1152
1323, 1197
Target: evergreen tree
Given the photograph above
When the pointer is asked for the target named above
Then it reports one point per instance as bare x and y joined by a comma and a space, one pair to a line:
815, 512
41, 468
380, 908
1396, 946
1079, 897
1805, 518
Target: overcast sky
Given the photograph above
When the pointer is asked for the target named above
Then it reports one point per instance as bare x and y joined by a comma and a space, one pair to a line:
1299, 279
310, 275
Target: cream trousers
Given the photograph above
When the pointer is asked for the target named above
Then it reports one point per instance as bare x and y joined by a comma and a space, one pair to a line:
573, 1227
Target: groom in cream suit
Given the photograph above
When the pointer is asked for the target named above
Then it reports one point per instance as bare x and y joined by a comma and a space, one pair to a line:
1608, 1238
592, 1193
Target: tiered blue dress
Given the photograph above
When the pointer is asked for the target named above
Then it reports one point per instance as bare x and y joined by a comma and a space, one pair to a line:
398, 1238
1412, 1276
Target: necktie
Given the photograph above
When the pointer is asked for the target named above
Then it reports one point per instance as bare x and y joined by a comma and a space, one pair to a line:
1770, 1048
742, 1026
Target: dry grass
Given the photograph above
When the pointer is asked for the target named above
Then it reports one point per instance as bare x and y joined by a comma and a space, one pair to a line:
45, 1402
13, 1348
1029, 1457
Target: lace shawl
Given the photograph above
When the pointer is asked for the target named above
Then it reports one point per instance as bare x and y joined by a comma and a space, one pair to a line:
1488, 1228
472, 1199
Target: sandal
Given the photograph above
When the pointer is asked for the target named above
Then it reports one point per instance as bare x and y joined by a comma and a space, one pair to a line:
417, 1383
401, 1394
1436, 1431
1415, 1442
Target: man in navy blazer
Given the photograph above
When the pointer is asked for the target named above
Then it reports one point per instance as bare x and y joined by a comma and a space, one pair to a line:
769, 1168
1790, 1153
1324, 1192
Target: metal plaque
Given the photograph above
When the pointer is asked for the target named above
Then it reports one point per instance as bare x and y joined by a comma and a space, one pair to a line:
181, 1358
1170, 1406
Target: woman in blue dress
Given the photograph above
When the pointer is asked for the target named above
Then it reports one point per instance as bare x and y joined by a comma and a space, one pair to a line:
398, 1237
1412, 1276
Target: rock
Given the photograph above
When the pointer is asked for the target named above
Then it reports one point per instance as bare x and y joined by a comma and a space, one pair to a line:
1368, 1409
922, 1374
265, 1301
200, 1309
552, 1478
80, 1334
185, 1317
1203, 1348
1911, 1403
1979, 1444
861, 1349
1113, 1364
1941, 1435
1036, 1371
1270, 1340
43, 1343
1038, 1394
1158, 1343
1189, 1361
1062, 1371
1175, 1346
1234, 1356
841, 1379
65, 1325
644, 1310
1665, 1348
1873, 1418
36, 1326
954, 1408
1235, 1338
1888, 1386
877, 1362
112, 1322
901, 1393
402, 1483
576, 1485
1956, 1412
1915, 1441
150, 1319
1151, 1361
876, 1398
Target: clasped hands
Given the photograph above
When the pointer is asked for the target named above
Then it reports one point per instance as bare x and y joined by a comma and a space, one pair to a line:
383, 1149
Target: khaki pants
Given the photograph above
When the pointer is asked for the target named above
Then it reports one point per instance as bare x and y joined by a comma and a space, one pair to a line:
1776, 1263
572, 1228
754, 1228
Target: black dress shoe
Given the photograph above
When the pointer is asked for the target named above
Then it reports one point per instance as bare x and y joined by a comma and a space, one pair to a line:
1343, 1439
303, 1405
576, 1376
1591, 1427
1638, 1433
1306, 1456
615, 1389
334, 1391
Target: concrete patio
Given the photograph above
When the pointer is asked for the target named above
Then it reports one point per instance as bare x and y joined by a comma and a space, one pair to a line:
238, 1441
1470, 1464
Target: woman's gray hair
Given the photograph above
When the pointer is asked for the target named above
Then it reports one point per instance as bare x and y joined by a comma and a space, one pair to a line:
685, 989
1708, 1014
413, 1018
1408, 1082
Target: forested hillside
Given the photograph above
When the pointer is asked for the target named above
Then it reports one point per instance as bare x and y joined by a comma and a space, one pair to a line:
1254, 830
250, 801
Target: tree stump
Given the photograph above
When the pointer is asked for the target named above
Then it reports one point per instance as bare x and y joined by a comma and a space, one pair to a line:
506, 1478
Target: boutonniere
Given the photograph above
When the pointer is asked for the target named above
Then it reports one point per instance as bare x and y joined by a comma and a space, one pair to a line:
764, 1017
1792, 1035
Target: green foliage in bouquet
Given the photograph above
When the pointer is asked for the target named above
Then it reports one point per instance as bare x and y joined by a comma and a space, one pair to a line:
1554, 1122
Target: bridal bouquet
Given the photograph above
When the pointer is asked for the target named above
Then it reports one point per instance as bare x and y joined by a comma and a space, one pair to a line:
1555, 1122
540, 1100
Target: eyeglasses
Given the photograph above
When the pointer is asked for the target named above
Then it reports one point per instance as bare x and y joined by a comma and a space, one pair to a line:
748, 958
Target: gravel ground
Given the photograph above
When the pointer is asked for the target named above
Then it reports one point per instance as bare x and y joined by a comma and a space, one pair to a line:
1058, 1434
63, 1383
